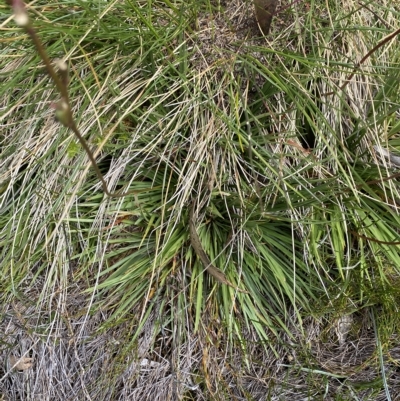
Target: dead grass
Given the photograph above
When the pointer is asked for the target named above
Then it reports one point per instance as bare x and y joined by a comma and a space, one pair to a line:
76, 360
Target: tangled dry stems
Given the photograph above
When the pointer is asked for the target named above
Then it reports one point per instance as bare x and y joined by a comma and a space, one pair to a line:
75, 360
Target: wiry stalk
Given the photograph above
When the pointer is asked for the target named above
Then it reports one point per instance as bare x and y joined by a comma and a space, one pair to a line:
63, 107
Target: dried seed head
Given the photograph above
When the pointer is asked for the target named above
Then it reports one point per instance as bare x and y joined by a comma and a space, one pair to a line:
61, 64
20, 15
63, 113
21, 18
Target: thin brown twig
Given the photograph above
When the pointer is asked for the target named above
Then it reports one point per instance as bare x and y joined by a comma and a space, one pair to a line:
64, 110
358, 65
375, 240
199, 250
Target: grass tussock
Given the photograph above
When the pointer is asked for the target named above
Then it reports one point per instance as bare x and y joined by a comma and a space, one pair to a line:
295, 190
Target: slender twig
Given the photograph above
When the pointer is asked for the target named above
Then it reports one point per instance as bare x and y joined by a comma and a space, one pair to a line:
374, 239
358, 65
63, 107
200, 252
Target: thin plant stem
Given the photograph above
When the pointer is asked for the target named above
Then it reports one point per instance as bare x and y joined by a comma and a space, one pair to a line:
64, 111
